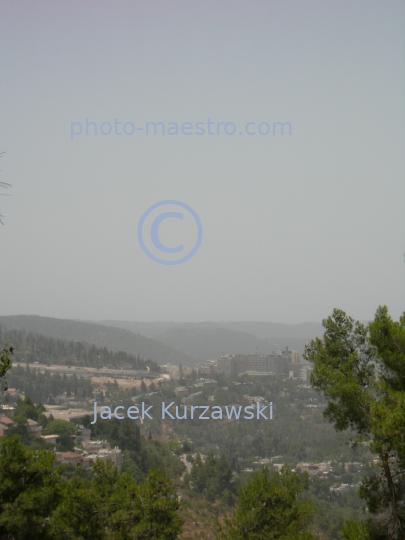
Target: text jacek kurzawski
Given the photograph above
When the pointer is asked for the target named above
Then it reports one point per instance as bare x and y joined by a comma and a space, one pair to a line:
192, 412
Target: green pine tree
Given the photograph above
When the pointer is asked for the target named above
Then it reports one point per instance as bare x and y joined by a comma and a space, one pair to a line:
269, 509
361, 370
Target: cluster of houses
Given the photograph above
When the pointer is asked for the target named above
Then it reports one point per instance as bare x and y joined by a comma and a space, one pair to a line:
189, 393
7, 422
319, 470
86, 451
325, 468
90, 451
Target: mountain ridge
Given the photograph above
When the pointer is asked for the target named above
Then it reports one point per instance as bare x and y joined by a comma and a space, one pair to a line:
113, 338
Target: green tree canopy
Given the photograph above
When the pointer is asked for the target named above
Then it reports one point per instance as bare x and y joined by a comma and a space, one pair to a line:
59, 427
36, 503
361, 370
174, 446
29, 490
269, 509
212, 478
26, 408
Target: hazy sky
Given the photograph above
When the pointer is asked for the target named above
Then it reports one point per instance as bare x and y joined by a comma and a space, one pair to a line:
292, 225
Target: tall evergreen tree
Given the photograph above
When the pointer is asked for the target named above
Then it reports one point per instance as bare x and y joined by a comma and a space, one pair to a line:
361, 370
269, 509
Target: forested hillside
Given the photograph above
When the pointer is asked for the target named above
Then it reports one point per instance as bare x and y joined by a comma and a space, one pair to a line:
30, 347
115, 339
43, 387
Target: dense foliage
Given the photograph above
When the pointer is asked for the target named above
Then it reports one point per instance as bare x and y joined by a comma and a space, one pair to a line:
269, 508
37, 503
46, 387
213, 478
361, 370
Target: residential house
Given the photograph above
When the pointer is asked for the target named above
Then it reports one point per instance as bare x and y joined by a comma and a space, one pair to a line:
7, 410
50, 439
34, 429
96, 446
72, 458
83, 434
113, 455
5, 424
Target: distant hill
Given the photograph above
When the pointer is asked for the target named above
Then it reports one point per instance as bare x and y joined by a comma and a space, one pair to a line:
152, 329
208, 340
278, 330
259, 329
210, 343
113, 338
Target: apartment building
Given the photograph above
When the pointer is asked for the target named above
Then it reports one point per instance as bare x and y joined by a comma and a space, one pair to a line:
172, 371
225, 364
279, 364
181, 391
241, 363
114, 455
305, 372
207, 367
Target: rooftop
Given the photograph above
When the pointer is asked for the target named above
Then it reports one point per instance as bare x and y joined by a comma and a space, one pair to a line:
69, 455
